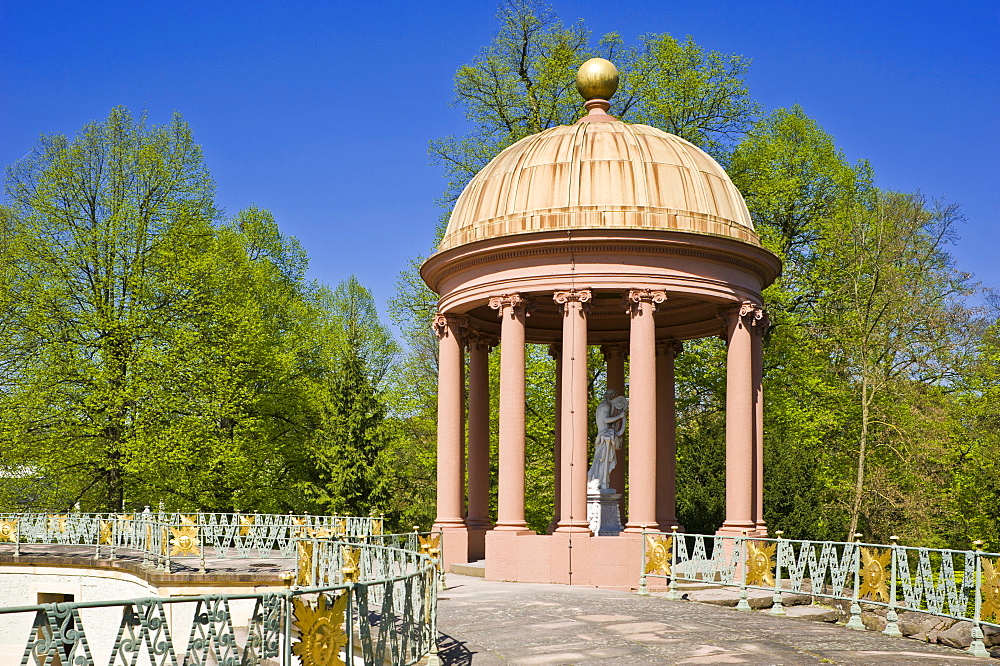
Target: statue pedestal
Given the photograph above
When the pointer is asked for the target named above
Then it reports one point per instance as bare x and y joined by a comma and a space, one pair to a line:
602, 512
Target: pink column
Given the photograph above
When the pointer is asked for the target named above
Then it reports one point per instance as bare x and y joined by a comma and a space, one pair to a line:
739, 421
573, 425
555, 351
450, 429
614, 356
510, 493
642, 465
479, 430
757, 351
666, 434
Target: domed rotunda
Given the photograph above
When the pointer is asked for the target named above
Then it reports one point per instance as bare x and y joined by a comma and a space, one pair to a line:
598, 233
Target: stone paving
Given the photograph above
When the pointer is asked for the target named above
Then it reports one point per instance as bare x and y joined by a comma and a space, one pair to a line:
485, 623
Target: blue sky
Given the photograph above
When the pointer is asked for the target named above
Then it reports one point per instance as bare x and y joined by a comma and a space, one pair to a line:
321, 111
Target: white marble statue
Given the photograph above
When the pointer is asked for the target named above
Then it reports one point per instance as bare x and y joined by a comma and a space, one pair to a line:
610, 419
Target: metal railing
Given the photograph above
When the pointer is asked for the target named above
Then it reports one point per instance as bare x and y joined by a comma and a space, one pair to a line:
963, 585
162, 537
376, 602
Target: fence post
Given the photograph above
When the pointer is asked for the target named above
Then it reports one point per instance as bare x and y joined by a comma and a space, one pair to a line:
17, 535
643, 590
740, 542
977, 648
672, 588
891, 628
201, 544
855, 621
777, 607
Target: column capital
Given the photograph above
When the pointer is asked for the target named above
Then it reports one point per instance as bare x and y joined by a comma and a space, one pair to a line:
513, 302
555, 350
444, 321
565, 296
636, 297
478, 340
672, 347
614, 350
751, 313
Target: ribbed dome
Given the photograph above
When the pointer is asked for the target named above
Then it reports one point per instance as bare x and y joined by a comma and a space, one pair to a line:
595, 175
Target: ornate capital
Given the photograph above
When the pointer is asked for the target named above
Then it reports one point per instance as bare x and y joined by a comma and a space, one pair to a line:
572, 295
479, 340
555, 350
672, 347
614, 349
751, 313
513, 302
636, 297
443, 322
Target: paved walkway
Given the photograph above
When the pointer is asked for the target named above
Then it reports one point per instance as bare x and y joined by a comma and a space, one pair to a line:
486, 623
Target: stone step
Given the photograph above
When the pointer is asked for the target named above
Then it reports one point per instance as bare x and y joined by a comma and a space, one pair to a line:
477, 568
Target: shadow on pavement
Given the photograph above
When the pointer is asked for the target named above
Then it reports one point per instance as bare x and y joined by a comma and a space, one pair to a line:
453, 652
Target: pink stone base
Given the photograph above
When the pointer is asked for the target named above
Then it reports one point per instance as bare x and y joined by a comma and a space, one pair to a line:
454, 544
612, 562
477, 542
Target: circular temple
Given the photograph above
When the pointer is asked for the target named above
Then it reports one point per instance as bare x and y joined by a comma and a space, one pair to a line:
597, 79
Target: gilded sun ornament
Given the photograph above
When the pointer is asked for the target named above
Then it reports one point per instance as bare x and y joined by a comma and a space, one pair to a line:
245, 523
760, 563
185, 541
57, 523
321, 631
990, 589
8, 530
658, 554
105, 534
297, 529
189, 520
340, 526
875, 574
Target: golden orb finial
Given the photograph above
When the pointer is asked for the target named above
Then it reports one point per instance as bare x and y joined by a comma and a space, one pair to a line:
597, 79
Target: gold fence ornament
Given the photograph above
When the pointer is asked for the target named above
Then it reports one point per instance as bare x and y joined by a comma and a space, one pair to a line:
57, 522
185, 541
104, 538
340, 527
875, 574
305, 549
321, 630
760, 563
189, 520
246, 522
658, 550
352, 559
990, 590
376, 528
8, 530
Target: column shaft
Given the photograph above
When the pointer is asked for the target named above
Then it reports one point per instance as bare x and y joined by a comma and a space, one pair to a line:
479, 433
757, 352
666, 435
510, 494
450, 429
573, 425
739, 425
642, 466
555, 351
